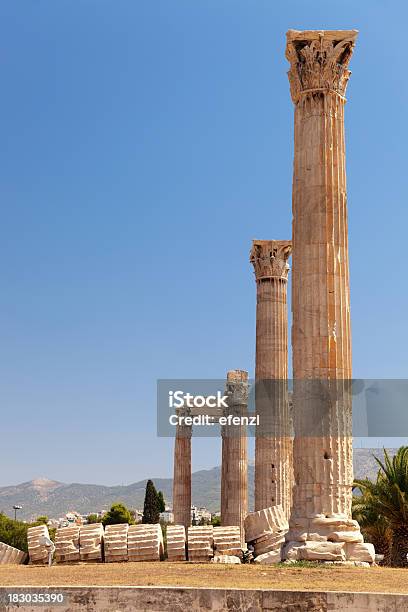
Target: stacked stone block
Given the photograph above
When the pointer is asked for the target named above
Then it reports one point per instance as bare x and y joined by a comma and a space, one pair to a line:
116, 543
90, 542
67, 544
265, 531
38, 553
200, 543
145, 543
227, 541
11, 555
176, 543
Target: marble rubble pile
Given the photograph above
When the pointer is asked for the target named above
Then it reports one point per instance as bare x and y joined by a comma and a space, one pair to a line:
265, 532
334, 538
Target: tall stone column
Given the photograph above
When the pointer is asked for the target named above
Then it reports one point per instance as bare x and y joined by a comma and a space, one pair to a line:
321, 333
234, 469
273, 444
182, 474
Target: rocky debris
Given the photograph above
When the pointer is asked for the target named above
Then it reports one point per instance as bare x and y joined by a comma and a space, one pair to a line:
312, 551
268, 543
268, 520
227, 541
360, 552
176, 543
265, 531
90, 542
67, 544
38, 553
200, 543
145, 543
326, 530
116, 543
274, 556
225, 559
11, 555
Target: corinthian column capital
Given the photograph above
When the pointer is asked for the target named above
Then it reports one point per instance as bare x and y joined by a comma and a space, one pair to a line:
270, 258
319, 60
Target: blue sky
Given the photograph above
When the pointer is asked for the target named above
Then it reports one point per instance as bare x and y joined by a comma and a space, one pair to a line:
144, 144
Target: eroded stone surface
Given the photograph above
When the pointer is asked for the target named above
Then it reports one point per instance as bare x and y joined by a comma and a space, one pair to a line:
176, 543
115, 543
90, 542
227, 541
314, 551
145, 543
10, 555
200, 541
274, 556
268, 520
362, 551
38, 553
67, 544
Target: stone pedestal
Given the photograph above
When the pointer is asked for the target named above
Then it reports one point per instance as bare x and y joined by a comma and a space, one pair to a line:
321, 333
234, 470
273, 447
182, 475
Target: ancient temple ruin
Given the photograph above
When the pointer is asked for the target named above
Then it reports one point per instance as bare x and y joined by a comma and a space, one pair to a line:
305, 466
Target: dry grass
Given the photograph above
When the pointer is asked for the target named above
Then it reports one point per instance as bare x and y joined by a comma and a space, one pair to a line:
326, 578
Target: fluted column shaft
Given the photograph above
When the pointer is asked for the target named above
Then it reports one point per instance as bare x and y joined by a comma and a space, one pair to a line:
321, 333
182, 476
234, 469
273, 445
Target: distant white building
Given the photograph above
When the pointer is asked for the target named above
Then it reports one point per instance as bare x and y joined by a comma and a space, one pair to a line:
138, 516
167, 516
200, 514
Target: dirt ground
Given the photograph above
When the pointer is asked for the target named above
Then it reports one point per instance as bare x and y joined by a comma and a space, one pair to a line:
328, 578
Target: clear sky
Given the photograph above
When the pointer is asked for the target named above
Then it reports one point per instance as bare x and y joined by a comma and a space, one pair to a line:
145, 143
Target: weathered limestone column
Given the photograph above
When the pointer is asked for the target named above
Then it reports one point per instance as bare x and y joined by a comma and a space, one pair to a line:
321, 333
273, 444
234, 470
182, 474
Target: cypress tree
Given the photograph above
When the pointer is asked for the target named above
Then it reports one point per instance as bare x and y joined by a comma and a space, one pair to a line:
162, 504
151, 509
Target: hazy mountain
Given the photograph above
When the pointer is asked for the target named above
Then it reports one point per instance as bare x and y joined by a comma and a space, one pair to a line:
43, 496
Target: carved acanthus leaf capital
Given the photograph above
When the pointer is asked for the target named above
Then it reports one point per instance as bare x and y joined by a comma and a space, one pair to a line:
270, 258
319, 60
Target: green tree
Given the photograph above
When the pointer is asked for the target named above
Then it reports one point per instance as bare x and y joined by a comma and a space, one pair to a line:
14, 533
117, 514
374, 526
93, 518
162, 504
216, 521
389, 499
42, 520
151, 511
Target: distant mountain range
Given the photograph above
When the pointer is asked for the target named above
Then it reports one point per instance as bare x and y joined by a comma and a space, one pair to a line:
54, 499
